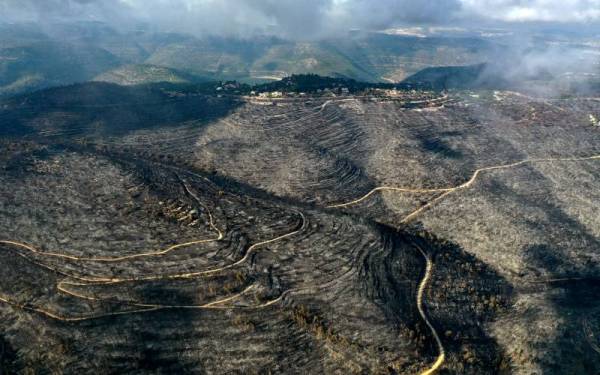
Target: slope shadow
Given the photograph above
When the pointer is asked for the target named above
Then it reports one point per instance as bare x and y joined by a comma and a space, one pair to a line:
103, 109
462, 296
575, 299
8, 358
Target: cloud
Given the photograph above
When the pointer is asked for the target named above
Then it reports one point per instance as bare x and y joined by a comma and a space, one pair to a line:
286, 17
38, 10
559, 11
300, 19
295, 18
381, 14
292, 18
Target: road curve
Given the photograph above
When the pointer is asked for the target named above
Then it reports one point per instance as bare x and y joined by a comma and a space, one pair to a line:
429, 264
78, 280
420, 293
148, 307
449, 190
142, 308
156, 253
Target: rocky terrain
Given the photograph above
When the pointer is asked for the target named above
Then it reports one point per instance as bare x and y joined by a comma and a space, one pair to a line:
408, 233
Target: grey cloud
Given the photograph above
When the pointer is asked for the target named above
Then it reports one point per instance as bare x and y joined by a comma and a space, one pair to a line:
292, 18
382, 14
534, 10
44, 12
299, 19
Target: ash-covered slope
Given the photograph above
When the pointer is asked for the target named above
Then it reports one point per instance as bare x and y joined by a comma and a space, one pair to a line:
154, 268
100, 109
320, 207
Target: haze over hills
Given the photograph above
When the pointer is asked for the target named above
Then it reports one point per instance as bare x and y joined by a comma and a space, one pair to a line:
284, 187
32, 57
371, 57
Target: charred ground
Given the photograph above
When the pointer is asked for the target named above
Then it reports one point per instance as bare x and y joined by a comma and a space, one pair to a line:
215, 233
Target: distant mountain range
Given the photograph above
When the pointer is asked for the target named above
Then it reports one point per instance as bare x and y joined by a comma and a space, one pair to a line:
31, 58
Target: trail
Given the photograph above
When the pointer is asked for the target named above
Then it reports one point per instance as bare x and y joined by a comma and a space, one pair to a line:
420, 293
142, 307
128, 257
78, 280
449, 190
429, 264
147, 307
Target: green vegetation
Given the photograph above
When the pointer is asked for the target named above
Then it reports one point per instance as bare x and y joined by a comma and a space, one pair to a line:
46, 64
144, 74
311, 83
455, 77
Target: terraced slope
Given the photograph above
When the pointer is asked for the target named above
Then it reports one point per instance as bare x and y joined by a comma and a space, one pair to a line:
343, 234
195, 278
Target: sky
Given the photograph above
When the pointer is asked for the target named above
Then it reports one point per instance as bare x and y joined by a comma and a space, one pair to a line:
302, 18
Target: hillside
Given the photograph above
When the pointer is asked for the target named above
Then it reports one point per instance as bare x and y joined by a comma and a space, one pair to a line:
494, 76
457, 77
105, 108
392, 58
147, 228
44, 64
144, 74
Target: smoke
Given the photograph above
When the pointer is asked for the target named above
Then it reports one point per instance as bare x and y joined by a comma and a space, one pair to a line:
544, 69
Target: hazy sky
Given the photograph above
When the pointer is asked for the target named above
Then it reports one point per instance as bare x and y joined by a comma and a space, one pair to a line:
307, 18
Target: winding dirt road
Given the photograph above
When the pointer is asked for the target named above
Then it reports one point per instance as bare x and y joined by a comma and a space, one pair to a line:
429, 264
420, 306
449, 190
62, 286
79, 280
